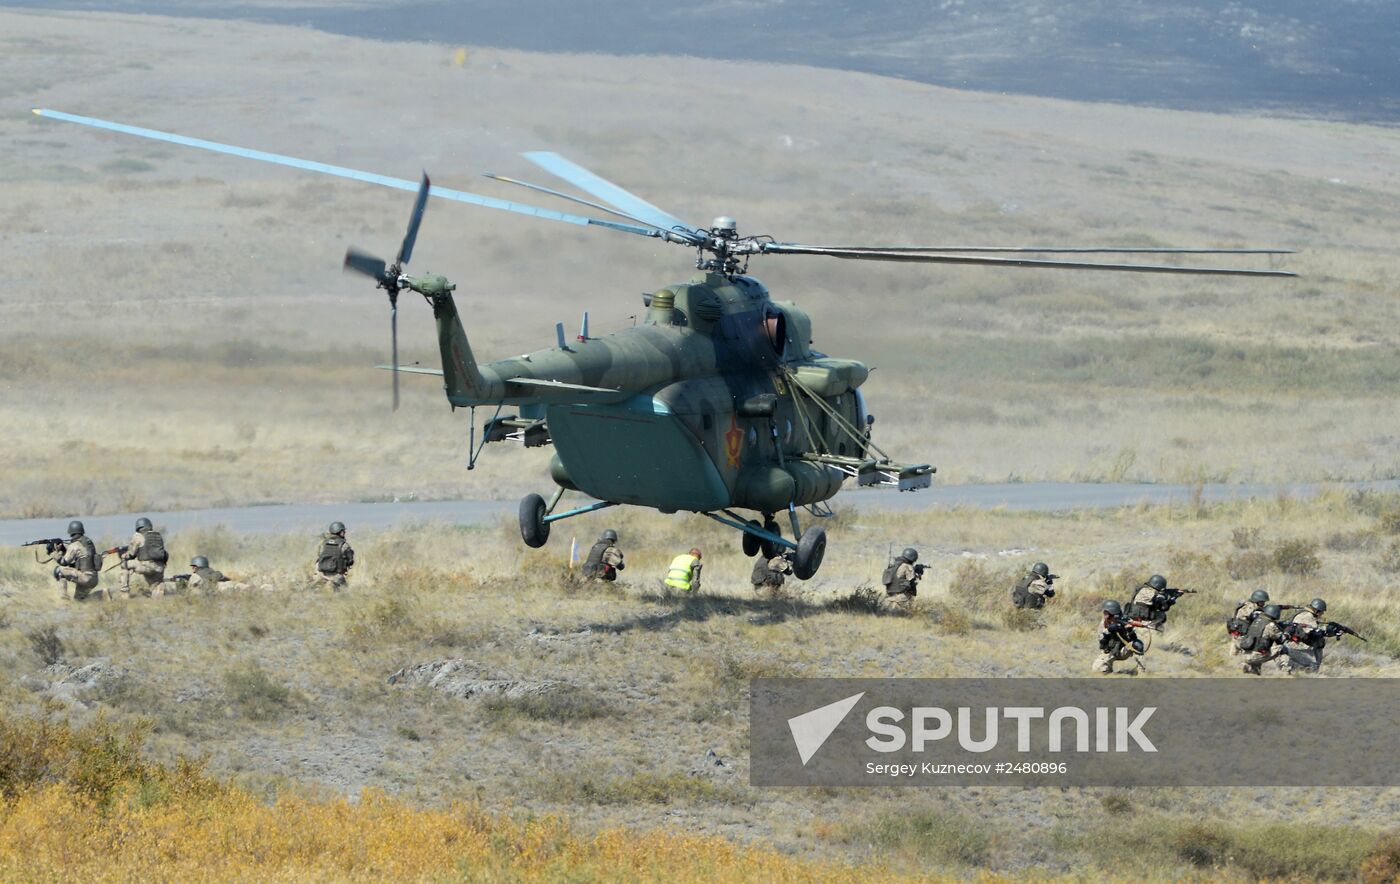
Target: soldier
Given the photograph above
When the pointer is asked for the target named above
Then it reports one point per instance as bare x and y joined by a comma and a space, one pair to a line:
206, 580
146, 556
684, 573
772, 573
901, 580
1307, 651
77, 565
1148, 600
604, 559
1245, 613
1117, 639
1259, 641
1032, 590
335, 560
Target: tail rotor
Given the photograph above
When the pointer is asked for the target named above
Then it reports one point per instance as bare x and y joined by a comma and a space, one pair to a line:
390, 276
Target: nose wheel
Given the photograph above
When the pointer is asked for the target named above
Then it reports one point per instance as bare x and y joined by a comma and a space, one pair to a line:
534, 530
811, 549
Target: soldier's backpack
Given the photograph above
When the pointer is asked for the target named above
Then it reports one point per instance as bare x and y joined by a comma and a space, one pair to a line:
593, 565
152, 548
332, 559
890, 571
1237, 626
1019, 594
1253, 639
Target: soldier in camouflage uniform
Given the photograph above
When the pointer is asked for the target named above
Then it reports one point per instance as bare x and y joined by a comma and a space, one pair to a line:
604, 559
1245, 613
336, 558
77, 565
1260, 640
1034, 589
770, 573
145, 556
1118, 640
205, 580
901, 580
1147, 600
1302, 656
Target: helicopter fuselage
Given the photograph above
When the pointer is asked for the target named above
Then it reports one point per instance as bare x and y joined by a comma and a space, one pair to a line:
709, 403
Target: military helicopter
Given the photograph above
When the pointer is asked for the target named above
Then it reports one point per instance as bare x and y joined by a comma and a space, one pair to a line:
715, 403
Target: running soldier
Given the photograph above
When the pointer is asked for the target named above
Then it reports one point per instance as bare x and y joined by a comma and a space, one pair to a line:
1306, 651
335, 559
604, 559
1260, 639
1118, 640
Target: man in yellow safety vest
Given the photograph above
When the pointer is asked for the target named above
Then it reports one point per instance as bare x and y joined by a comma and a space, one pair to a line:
684, 573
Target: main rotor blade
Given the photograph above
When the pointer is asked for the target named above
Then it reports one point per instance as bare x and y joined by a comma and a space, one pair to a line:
1065, 250
605, 190
361, 262
920, 258
415, 219
343, 172
563, 196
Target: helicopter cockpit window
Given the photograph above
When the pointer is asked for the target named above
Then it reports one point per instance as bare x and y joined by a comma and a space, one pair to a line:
775, 327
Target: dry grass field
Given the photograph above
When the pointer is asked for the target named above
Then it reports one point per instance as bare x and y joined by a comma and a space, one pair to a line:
175, 330
616, 696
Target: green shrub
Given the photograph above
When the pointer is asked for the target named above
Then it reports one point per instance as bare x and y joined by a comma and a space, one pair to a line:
1248, 565
1297, 557
559, 706
256, 694
1245, 538
46, 644
932, 837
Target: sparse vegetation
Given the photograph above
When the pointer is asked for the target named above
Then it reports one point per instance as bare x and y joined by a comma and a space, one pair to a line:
46, 644
256, 693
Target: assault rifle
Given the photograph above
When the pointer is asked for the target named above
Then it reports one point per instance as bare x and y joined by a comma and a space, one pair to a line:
1171, 596
1312, 636
49, 544
119, 552
174, 577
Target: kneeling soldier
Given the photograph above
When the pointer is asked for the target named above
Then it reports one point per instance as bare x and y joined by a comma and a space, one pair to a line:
145, 556
1245, 614
1032, 590
1307, 637
78, 565
684, 573
336, 558
604, 559
770, 573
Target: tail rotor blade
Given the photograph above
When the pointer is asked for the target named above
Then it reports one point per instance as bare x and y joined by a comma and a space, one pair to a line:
409, 238
394, 339
360, 262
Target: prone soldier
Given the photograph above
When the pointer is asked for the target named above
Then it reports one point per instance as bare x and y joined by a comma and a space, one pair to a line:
901, 579
206, 580
1034, 589
772, 573
604, 559
336, 558
145, 556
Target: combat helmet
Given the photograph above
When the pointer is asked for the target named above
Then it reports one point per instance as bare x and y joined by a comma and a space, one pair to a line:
143, 524
1318, 605
1112, 607
1259, 596
1041, 570
910, 555
1273, 612
1157, 582
75, 528
609, 536
337, 528
199, 562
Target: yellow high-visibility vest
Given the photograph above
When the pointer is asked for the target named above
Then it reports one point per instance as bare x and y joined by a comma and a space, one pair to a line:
678, 575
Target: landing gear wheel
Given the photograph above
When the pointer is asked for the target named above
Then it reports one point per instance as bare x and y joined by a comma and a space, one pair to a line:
534, 530
769, 548
752, 544
810, 551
